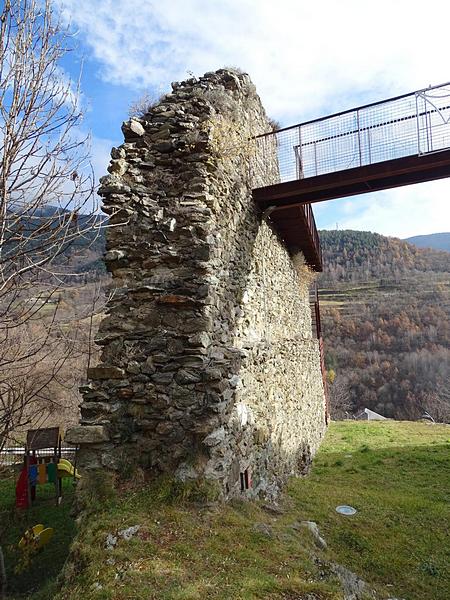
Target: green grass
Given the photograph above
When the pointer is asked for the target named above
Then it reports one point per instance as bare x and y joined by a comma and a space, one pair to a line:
398, 477
38, 579
395, 474
190, 551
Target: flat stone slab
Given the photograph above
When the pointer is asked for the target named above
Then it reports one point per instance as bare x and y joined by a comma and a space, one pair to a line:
105, 373
86, 434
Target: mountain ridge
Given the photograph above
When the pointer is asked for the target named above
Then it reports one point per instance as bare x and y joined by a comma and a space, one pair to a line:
437, 241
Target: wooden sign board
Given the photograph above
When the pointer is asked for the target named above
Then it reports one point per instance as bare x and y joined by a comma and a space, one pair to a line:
48, 437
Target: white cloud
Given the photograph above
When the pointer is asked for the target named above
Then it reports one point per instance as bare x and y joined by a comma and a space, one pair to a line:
303, 56
306, 59
401, 212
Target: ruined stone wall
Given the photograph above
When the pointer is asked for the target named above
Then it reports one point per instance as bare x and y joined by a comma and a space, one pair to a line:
208, 365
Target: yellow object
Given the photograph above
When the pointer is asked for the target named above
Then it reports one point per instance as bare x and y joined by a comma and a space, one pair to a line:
42, 473
36, 537
65, 469
45, 536
31, 536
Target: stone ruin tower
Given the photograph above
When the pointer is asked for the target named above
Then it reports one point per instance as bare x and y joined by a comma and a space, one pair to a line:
208, 369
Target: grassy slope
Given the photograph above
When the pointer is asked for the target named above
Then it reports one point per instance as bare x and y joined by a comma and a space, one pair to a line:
38, 577
395, 474
398, 476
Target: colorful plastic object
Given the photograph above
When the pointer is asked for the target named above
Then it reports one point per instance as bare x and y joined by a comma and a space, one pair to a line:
36, 537
66, 469
22, 490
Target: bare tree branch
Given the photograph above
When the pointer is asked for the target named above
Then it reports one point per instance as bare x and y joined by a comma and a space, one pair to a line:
47, 209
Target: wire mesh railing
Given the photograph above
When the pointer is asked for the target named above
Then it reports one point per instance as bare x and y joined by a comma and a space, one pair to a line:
14, 455
315, 312
413, 124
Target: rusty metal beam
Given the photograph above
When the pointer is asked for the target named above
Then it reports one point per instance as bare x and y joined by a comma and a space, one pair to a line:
296, 226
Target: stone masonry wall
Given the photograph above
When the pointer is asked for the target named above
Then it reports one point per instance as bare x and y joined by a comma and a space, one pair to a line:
208, 366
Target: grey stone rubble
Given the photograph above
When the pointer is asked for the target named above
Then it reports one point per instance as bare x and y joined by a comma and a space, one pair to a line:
312, 527
125, 534
263, 529
208, 368
353, 587
111, 541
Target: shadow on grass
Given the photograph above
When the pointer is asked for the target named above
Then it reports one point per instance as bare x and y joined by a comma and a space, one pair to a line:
37, 577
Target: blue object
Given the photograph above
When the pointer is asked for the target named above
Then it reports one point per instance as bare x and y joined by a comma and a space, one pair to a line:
33, 474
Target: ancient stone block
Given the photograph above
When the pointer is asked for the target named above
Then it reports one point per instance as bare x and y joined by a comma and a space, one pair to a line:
133, 127
208, 356
105, 372
87, 434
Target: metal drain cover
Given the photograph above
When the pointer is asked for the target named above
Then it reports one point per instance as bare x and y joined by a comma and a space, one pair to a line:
346, 510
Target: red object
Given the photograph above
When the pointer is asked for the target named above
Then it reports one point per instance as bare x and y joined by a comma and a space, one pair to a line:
22, 499
22, 490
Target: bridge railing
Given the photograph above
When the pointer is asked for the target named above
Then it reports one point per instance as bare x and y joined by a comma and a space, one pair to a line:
310, 221
412, 124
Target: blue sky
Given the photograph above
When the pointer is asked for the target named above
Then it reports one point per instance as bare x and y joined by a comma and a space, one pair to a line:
306, 58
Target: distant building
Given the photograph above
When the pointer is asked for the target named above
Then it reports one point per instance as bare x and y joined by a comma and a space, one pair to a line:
427, 417
370, 415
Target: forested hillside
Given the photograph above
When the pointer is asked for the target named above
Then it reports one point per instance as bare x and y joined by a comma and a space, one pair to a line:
386, 319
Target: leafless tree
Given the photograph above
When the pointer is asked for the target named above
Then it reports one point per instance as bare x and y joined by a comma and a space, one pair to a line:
437, 403
340, 403
142, 105
47, 203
